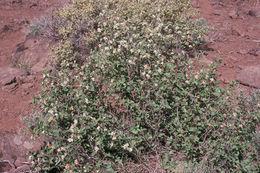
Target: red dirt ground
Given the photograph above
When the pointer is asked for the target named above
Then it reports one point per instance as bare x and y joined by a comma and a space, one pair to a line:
235, 37
15, 16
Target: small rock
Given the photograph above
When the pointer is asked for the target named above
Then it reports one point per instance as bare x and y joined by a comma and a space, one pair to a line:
34, 5
27, 86
10, 87
217, 12
20, 47
237, 32
28, 145
250, 76
254, 51
233, 14
254, 12
24, 168
5, 167
17, 1
4, 28
195, 3
20, 161
218, 3
242, 52
18, 140
9, 75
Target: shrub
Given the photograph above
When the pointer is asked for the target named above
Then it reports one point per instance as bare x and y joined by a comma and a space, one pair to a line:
46, 26
124, 89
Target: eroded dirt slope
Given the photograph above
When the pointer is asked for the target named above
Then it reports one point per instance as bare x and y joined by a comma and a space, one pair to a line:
15, 15
19, 82
236, 39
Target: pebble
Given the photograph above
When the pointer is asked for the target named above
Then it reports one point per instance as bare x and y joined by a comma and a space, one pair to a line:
28, 145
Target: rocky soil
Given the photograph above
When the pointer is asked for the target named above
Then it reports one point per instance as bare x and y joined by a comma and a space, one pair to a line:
235, 38
21, 61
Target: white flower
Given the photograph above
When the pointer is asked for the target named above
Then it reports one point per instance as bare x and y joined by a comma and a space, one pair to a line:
30, 157
96, 148
114, 138
50, 119
86, 100
126, 146
196, 77
76, 162
130, 62
99, 30
70, 140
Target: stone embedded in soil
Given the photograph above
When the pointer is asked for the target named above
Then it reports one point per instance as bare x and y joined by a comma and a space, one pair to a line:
237, 32
254, 51
217, 12
242, 52
5, 167
34, 52
28, 145
18, 140
21, 169
233, 14
4, 28
254, 12
250, 76
195, 3
20, 161
9, 75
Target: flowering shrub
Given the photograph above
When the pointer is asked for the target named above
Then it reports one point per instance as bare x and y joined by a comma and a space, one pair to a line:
124, 89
